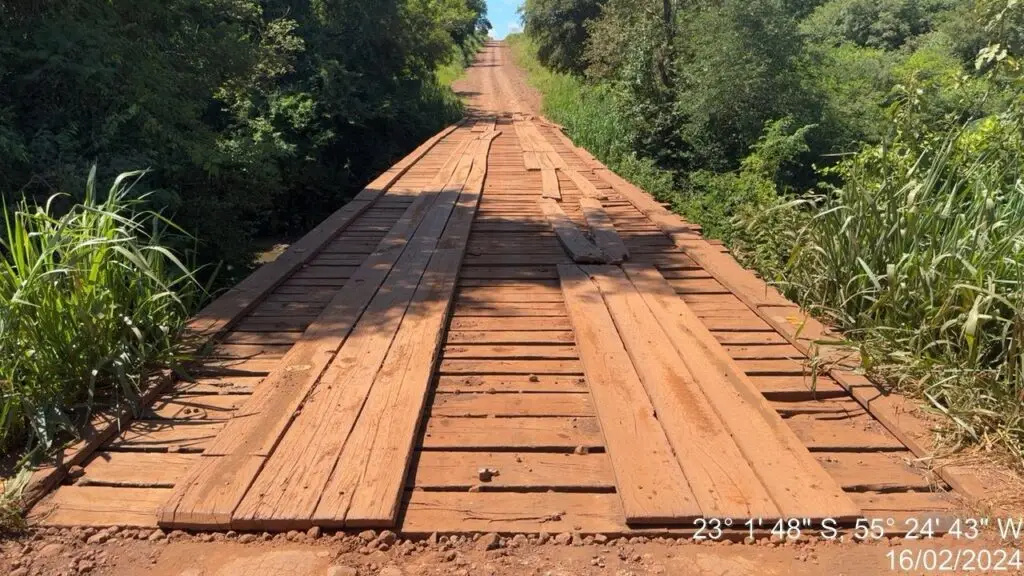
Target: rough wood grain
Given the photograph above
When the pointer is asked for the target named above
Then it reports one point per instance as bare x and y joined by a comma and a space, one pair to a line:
212, 491
650, 482
722, 480
549, 184
601, 228
536, 434
288, 489
533, 470
576, 243
99, 506
797, 483
586, 187
367, 485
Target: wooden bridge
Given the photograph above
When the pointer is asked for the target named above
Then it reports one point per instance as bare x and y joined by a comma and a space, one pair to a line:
499, 334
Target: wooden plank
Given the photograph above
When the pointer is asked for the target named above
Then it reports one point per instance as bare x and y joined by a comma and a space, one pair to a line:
288, 338
495, 324
586, 187
194, 407
428, 512
878, 504
211, 492
579, 247
511, 310
875, 471
458, 366
166, 436
552, 255
367, 484
531, 160
495, 295
494, 273
848, 434
722, 480
137, 469
601, 228
315, 439
510, 337
513, 352
229, 350
549, 184
496, 383
99, 506
511, 405
219, 385
797, 483
650, 482
550, 434
764, 352
536, 471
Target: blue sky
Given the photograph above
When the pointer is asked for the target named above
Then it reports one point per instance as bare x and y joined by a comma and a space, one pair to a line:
503, 16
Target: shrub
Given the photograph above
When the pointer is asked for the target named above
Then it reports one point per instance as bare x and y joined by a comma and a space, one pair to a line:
91, 300
921, 257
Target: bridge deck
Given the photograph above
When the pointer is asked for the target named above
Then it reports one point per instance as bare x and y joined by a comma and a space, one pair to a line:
445, 361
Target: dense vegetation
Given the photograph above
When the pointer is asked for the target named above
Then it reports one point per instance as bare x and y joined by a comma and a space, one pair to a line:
254, 116
251, 117
864, 154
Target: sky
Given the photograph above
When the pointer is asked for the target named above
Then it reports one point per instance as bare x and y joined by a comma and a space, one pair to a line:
503, 16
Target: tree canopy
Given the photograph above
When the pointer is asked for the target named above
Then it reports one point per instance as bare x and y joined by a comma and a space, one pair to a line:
255, 116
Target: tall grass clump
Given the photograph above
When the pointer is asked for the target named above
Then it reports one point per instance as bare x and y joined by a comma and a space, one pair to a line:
91, 300
919, 255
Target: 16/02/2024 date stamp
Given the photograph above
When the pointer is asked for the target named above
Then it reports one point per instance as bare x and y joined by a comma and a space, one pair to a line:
961, 531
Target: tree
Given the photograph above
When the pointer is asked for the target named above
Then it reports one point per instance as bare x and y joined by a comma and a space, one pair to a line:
559, 27
884, 24
255, 116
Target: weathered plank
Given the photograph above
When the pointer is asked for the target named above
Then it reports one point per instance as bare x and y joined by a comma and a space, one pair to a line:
601, 228
367, 484
511, 405
586, 187
211, 491
722, 480
516, 470
549, 184
553, 512
99, 506
313, 443
511, 352
796, 482
580, 248
497, 383
549, 434
650, 482
137, 469
875, 471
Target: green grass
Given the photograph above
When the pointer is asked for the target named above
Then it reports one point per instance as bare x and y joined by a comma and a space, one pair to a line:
91, 301
920, 259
